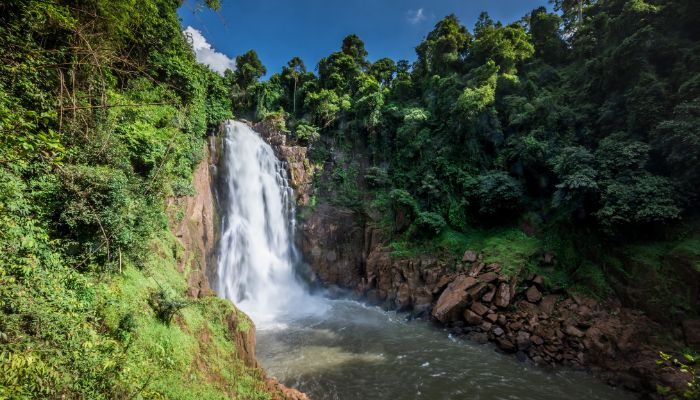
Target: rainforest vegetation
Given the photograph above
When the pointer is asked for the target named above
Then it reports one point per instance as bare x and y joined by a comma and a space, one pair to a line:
578, 125
103, 112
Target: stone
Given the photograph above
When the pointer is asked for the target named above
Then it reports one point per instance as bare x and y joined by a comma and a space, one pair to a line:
478, 337
501, 320
488, 297
533, 295
521, 356
548, 303
469, 256
691, 330
471, 317
505, 345
475, 269
491, 317
498, 331
486, 326
453, 299
479, 308
573, 331
488, 277
522, 340
536, 340
502, 295
493, 267
539, 281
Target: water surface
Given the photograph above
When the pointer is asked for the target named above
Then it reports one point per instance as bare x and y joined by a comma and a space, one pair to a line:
359, 352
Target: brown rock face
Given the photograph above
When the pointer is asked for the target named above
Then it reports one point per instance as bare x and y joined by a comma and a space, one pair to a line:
453, 299
195, 231
333, 243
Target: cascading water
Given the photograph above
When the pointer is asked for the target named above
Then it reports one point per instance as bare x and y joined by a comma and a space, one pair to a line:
342, 349
256, 248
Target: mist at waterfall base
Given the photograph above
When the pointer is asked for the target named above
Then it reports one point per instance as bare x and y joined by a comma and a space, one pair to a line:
342, 349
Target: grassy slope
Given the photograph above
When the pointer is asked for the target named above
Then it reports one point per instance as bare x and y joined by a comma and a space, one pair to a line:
96, 336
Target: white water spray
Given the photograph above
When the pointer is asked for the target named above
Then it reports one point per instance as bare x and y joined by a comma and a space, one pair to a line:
256, 249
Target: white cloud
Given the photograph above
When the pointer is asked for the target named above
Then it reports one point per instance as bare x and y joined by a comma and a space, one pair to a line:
205, 54
416, 16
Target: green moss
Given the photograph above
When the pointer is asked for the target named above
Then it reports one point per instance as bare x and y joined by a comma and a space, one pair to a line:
509, 247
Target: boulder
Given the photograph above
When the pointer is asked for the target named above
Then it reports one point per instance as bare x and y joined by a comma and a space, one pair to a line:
488, 296
533, 294
522, 340
479, 308
469, 256
498, 331
491, 317
502, 295
505, 345
471, 317
453, 299
488, 277
478, 337
475, 269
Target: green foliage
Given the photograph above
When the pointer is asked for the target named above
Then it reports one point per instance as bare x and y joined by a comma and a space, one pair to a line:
686, 365
165, 305
103, 111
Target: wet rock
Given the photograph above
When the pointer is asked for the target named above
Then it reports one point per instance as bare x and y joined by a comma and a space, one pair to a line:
521, 356
498, 331
505, 345
522, 340
471, 317
469, 256
479, 308
478, 337
491, 317
453, 299
533, 294
503, 295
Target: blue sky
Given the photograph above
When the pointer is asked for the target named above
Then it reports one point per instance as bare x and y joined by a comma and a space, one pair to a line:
311, 29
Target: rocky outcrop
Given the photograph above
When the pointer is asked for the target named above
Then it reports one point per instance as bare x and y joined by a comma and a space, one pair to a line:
299, 169
195, 229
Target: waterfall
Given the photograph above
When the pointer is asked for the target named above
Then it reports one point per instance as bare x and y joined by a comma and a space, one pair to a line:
256, 248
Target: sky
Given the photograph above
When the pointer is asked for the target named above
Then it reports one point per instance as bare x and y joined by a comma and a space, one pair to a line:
311, 29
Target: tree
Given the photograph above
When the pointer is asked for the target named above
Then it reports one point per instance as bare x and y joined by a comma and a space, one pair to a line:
507, 46
444, 48
293, 71
383, 71
355, 48
546, 35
